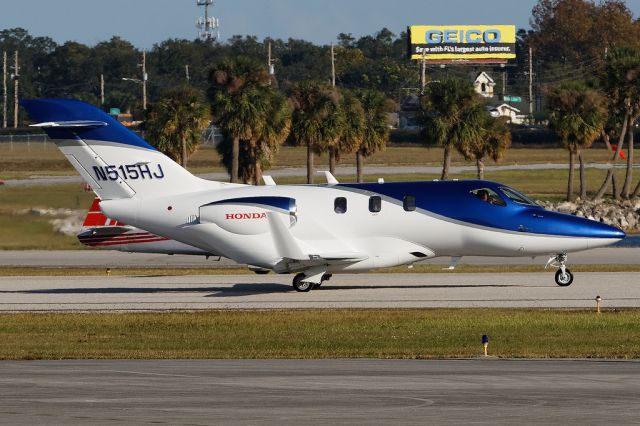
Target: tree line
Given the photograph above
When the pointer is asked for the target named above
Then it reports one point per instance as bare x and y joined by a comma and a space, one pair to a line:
586, 73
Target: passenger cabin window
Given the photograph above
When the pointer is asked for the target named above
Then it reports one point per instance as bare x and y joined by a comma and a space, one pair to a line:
340, 205
517, 197
489, 196
375, 204
409, 203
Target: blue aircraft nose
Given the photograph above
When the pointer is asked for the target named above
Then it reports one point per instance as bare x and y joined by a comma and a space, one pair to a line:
602, 230
572, 226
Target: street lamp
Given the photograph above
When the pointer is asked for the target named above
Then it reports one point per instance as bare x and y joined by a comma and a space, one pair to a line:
142, 81
144, 89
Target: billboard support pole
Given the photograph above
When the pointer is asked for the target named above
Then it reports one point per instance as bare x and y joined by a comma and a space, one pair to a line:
423, 74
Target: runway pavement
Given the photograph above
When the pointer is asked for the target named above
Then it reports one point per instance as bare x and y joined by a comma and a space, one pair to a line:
105, 258
336, 392
442, 290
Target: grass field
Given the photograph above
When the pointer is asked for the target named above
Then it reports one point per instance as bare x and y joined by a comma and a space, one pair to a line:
45, 159
442, 333
21, 230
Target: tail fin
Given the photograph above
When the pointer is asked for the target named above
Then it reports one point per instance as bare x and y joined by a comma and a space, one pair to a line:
115, 161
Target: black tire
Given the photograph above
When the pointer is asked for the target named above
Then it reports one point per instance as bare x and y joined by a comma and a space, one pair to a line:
564, 280
301, 286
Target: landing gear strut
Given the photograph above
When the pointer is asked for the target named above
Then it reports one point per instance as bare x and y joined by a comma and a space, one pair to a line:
303, 286
564, 277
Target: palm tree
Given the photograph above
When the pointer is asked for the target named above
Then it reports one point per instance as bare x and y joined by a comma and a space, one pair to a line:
577, 115
494, 139
176, 122
317, 119
376, 130
234, 94
272, 134
444, 111
621, 82
353, 130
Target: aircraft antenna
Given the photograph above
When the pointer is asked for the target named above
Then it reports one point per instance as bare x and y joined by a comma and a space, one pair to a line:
208, 25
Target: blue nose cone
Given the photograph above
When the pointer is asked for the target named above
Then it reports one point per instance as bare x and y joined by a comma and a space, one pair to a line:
573, 226
602, 230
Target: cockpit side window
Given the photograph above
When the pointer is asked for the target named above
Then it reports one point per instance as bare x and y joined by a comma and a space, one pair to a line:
489, 196
517, 197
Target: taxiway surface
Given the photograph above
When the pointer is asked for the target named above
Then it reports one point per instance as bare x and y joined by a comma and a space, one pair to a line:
116, 293
284, 392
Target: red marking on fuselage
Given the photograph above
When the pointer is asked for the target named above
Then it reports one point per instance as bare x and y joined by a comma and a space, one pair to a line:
242, 216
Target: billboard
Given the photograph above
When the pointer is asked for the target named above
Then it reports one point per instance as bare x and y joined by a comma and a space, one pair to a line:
489, 44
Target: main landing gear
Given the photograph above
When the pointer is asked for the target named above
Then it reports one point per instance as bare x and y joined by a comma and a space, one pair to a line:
303, 286
564, 277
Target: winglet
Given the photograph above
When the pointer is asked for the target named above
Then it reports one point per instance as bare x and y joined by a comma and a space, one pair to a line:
331, 180
268, 180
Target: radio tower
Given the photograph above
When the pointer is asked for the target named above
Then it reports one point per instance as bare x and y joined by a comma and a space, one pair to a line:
208, 25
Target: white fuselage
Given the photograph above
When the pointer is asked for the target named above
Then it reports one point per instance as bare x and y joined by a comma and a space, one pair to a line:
390, 237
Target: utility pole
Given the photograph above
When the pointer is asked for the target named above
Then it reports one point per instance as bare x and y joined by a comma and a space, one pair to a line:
270, 67
16, 77
4, 93
333, 67
530, 85
144, 79
504, 82
101, 89
186, 73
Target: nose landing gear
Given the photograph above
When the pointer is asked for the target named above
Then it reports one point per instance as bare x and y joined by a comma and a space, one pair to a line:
564, 277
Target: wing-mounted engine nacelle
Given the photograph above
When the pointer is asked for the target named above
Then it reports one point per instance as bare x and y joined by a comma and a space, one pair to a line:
248, 215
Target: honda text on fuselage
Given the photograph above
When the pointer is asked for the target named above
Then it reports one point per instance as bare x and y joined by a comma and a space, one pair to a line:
312, 231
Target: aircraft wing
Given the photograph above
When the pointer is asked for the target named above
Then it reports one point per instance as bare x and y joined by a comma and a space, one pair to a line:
293, 258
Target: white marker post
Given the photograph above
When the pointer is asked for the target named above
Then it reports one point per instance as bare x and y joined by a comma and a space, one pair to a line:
485, 343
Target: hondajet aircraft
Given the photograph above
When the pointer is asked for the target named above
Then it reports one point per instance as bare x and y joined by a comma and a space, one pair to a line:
312, 231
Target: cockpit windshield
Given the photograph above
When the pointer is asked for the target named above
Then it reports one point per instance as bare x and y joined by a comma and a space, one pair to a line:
489, 196
517, 197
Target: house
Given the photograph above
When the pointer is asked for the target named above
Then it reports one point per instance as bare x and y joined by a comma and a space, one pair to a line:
484, 84
506, 110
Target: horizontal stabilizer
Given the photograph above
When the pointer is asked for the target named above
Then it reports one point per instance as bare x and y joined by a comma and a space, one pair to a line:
76, 124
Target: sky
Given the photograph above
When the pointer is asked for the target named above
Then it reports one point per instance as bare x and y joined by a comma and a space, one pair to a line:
146, 22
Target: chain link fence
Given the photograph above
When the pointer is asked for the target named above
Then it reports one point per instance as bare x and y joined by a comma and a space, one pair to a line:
29, 141
211, 136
